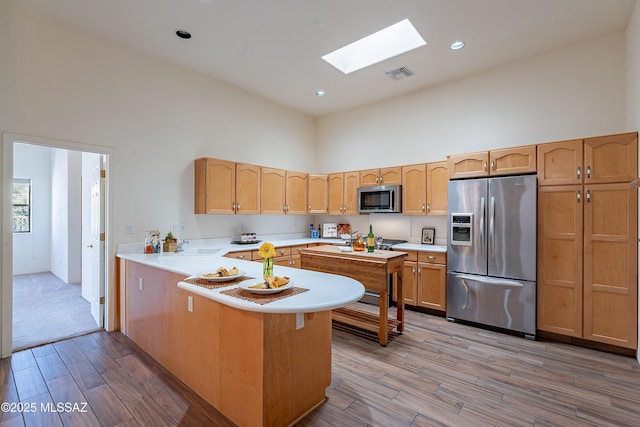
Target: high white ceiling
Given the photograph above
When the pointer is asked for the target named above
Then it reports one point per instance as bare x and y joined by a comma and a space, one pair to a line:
272, 48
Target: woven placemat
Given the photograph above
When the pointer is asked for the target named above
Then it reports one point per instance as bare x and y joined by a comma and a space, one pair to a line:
263, 299
209, 284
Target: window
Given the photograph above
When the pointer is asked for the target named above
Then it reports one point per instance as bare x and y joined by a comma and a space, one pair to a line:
21, 205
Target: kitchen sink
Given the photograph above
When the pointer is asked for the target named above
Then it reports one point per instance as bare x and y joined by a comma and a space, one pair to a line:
201, 251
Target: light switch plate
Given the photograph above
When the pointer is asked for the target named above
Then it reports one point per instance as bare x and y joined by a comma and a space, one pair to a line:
178, 227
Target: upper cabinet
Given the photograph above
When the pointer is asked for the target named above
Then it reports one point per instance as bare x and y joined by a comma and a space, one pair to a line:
414, 189
343, 193
437, 188
283, 192
383, 176
296, 193
468, 165
612, 158
507, 161
318, 194
223, 187
600, 160
560, 163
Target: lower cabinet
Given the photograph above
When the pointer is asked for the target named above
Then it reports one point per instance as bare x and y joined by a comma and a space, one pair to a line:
424, 280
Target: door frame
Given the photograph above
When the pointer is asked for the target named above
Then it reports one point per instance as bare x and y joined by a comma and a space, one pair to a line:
6, 232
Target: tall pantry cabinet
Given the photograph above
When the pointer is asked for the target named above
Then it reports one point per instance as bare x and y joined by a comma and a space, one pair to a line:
587, 239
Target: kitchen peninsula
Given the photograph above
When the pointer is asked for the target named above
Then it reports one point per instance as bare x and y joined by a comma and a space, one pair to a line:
259, 364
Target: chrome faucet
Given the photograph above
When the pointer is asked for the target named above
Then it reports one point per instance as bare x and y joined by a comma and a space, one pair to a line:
181, 244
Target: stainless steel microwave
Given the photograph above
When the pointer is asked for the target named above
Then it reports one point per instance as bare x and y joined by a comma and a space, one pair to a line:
384, 199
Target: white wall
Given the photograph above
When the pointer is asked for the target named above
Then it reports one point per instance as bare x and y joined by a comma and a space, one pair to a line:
64, 83
66, 215
575, 92
31, 250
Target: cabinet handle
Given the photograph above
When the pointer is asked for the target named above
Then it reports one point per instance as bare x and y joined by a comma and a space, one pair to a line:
588, 172
419, 270
240, 257
588, 196
578, 172
233, 206
493, 165
423, 207
484, 166
431, 257
578, 195
428, 207
309, 207
381, 180
413, 270
237, 207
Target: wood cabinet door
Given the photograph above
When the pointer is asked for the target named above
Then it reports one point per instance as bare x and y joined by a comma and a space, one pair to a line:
247, 189
612, 158
296, 193
336, 193
468, 165
214, 186
437, 188
432, 286
391, 176
409, 275
559, 269
512, 161
318, 194
351, 184
272, 191
611, 264
414, 189
560, 163
370, 177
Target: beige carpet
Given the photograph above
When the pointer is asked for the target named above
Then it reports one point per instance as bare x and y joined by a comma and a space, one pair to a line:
45, 310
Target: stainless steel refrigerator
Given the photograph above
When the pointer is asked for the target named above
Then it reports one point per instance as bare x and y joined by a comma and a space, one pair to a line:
491, 252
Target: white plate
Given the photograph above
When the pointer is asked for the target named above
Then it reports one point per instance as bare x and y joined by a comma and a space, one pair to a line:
219, 278
246, 283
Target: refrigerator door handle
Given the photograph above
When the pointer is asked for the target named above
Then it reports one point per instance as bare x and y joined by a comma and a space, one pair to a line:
482, 224
489, 280
492, 225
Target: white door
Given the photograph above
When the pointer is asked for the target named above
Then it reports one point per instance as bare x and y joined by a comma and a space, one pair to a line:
93, 242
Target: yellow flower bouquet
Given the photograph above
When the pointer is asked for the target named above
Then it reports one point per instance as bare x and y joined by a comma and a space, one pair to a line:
267, 251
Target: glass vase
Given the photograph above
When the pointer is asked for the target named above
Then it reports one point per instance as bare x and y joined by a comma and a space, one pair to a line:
267, 267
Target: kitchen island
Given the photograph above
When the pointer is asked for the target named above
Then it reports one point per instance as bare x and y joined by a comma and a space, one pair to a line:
259, 364
373, 270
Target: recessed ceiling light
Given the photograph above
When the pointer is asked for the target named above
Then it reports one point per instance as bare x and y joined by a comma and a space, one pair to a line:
183, 34
320, 93
377, 47
459, 44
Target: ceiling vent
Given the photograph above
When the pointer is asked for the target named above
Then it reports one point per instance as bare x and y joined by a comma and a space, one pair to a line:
399, 73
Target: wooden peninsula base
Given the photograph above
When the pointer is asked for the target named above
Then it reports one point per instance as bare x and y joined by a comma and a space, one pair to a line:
258, 369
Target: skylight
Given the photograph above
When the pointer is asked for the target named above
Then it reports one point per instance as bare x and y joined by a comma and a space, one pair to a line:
377, 47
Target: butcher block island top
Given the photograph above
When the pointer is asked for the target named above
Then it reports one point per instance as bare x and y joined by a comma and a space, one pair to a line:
372, 269
259, 362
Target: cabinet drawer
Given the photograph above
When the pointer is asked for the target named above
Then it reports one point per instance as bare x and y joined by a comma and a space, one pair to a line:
432, 257
295, 250
286, 251
411, 255
246, 255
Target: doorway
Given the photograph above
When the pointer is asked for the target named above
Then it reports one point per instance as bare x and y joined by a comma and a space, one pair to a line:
58, 267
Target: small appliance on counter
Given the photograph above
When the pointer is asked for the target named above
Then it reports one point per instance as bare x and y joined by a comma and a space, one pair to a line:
246, 239
329, 230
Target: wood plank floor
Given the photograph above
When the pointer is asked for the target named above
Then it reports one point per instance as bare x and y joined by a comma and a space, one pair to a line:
437, 373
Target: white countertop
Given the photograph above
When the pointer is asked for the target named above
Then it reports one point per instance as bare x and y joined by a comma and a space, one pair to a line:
419, 247
326, 291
